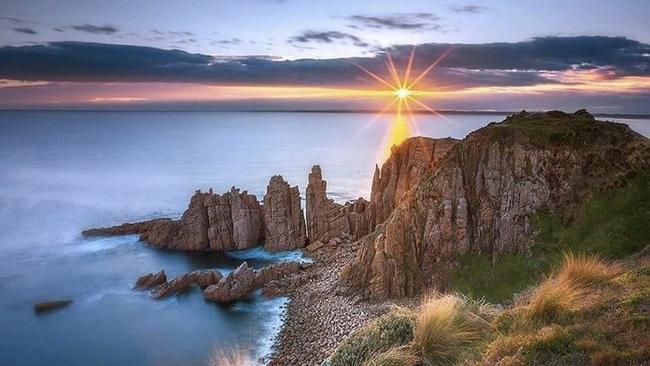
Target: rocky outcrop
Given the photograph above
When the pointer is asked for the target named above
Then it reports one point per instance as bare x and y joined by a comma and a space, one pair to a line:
47, 306
231, 221
151, 280
326, 219
284, 221
243, 281
238, 284
407, 164
481, 197
186, 280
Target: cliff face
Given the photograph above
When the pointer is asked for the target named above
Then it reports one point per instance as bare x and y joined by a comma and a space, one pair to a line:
481, 196
407, 164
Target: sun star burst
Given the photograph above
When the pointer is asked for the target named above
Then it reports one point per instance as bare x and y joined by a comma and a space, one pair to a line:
404, 94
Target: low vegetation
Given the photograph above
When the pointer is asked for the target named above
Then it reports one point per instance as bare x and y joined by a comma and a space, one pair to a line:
587, 311
612, 226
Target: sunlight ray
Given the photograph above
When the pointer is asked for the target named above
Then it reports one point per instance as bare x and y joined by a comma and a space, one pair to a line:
376, 77
426, 71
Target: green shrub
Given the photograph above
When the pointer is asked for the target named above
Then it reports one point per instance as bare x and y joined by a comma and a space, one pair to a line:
390, 330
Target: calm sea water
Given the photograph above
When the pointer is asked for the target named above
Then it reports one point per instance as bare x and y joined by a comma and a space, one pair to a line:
62, 172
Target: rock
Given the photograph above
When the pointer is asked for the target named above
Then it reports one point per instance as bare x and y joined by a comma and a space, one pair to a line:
206, 278
275, 271
403, 170
151, 280
238, 284
48, 306
284, 221
185, 280
315, 246
125, 229
326, 219
482, 195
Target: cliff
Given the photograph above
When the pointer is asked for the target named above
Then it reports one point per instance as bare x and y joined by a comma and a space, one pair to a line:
482, 195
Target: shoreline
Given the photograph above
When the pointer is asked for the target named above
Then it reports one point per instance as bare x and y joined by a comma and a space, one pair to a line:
318, 314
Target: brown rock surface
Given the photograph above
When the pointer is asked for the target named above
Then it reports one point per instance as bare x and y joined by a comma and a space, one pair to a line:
184, 281
326, 219
284, 221
238, 284
151, 280
481, 196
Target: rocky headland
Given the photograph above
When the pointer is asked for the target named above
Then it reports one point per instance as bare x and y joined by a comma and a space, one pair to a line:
431, 200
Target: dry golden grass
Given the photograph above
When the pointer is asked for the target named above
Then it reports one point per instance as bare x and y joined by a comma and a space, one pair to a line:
444, 329
587, 269
566, 290
399, 356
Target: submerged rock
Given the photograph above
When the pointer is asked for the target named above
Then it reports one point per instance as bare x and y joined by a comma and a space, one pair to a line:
46, 306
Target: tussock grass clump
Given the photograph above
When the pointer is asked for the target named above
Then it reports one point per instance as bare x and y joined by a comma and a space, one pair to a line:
565, 291
556, 296
401, 356
390, 330
445, 328
587, 269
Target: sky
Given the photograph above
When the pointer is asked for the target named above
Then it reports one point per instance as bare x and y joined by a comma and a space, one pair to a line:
307, 54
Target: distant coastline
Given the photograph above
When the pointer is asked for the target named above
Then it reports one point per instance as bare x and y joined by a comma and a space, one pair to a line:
332, 111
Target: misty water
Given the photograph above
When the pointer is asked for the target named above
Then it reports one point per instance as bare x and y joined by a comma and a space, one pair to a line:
63, 172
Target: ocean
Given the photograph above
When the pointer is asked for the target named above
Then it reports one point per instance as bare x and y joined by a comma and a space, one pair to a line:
65, 171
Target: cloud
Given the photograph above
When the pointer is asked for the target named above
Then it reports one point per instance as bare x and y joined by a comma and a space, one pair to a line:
12, 20
399, 21
537, 61
230, 41
471, 9
25, 30
327, 37
95, 29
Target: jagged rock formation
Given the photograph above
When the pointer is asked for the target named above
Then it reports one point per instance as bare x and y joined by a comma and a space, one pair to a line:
184, 281
481, 197
284, 221
241, 282
326, 219
151, 280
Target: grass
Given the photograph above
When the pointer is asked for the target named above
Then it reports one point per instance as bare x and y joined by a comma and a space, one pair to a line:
586, 311
611, 226
445, 328
391, 330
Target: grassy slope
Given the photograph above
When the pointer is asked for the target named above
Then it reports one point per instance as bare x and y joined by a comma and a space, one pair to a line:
587, 312
612, 226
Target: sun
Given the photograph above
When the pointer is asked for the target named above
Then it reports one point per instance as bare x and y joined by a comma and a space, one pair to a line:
404, 94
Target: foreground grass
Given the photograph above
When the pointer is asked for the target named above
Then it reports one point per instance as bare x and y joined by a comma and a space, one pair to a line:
612, 226
587, 311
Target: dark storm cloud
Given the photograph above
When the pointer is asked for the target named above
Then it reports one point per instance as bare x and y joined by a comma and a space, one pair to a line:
400, 21
95, 29
25, 30
546, 53
327, 37
471, 9
501, 64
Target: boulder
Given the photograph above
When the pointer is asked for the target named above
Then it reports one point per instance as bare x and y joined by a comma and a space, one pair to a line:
186, 280
284, 221
151, 280
238, 284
